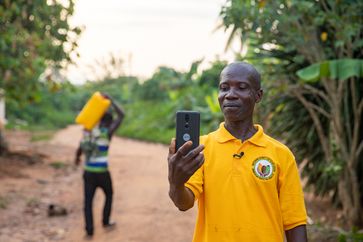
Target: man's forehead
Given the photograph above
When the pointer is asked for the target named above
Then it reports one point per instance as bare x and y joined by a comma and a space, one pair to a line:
239, 73
235, 77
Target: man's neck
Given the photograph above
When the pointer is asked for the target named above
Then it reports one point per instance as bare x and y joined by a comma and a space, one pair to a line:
242, 129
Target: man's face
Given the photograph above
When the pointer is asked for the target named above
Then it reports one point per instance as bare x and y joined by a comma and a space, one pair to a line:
237, 95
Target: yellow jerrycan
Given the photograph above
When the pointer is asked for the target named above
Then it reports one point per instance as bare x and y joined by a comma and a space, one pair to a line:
93, 111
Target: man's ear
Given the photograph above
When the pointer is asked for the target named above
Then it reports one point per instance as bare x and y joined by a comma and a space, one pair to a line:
258, 96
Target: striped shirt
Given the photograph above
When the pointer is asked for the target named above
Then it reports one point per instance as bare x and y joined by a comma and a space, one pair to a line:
95, 145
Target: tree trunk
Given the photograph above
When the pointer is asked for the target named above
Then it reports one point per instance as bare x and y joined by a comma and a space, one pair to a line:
3, 144
348, 186
340, 145
348, 194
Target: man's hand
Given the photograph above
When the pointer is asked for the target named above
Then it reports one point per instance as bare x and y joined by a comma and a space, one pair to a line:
105, 95
183, 163
120, 115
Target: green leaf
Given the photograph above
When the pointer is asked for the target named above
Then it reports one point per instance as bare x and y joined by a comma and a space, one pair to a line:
345, 68
212, 101
310, 73
340, 69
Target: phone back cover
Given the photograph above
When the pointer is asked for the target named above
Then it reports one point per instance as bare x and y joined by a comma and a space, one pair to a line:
187, 128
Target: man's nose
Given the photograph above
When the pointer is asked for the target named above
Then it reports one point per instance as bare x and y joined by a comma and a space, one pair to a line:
231, 94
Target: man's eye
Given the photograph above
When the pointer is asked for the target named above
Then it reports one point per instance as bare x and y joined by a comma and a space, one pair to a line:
223, 88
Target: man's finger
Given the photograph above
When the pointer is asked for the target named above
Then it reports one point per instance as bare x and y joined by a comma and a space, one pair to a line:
184, 149
172, 147
192, 154
195, 163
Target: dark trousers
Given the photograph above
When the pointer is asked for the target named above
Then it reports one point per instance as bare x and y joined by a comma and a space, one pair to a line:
92, 180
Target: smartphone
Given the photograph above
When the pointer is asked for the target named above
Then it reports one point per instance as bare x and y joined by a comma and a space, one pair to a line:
187, 128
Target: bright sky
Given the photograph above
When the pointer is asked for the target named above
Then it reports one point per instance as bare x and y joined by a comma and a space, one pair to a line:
148, 34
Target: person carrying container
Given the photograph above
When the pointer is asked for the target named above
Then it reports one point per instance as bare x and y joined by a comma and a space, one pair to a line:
94, 145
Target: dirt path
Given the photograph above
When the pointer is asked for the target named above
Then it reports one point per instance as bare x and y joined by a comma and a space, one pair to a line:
141, 207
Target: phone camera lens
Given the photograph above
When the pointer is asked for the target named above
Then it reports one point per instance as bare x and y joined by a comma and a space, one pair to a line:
187, 126
187, 117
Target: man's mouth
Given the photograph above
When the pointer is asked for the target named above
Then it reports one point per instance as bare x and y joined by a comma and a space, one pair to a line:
231, 105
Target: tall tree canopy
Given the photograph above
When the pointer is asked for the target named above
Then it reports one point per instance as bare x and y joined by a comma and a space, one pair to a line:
34, 35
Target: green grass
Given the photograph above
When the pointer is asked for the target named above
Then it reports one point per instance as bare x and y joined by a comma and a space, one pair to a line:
41, 136
3, 203
352, 236
58, 165
32, 202
149, 121
31, 127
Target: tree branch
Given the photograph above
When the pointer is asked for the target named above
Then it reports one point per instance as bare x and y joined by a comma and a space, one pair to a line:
317, 92
337, 117
340, 91
354, 96
359, 150
325, 6
347, 119
360, 108
357, 111
356, 149
329, 89
322, 137
319, 109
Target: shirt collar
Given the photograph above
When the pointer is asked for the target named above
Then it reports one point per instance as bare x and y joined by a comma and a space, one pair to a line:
223, 135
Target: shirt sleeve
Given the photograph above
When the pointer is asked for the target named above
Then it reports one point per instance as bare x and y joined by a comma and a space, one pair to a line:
196, 181
291, 195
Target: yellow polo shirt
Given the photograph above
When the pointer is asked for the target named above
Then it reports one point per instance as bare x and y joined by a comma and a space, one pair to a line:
252, 197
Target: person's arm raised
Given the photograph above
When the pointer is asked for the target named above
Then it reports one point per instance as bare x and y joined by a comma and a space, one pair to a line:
120, 115
182, 164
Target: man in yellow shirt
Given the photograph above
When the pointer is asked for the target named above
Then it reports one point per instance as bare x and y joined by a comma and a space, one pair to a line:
246, 183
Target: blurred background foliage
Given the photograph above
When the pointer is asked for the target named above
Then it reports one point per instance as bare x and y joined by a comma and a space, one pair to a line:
150, 105
310, 53
35, 39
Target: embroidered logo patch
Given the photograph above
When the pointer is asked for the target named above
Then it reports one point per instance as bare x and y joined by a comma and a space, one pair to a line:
263, 168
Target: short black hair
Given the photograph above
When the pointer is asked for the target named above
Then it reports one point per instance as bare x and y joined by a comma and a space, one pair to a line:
240, 66
107, 118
